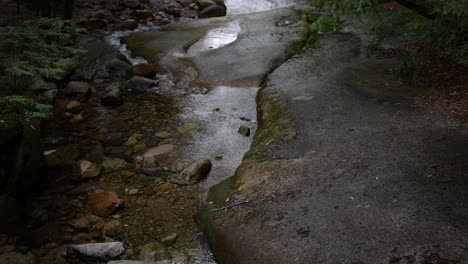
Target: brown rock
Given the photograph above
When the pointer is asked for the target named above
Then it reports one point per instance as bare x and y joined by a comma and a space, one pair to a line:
74, 107
103, 203
196, 171
127, 173
76, 119
143, 70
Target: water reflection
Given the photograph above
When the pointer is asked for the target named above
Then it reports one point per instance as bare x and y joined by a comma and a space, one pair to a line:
216, 38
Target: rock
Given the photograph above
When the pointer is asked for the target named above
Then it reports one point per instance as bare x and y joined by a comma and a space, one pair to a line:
134, 138
112, 98
245, 131
132, 4
144, 14
112, 228
104, 14
127, 174
129, 24
100, 250
118, 67
159, 150
99, 59
143, 70
133, 191
153, 252
16, 258
48, 97
212, 11
74, 107
169, 240
196, 171
163, 135
113, 164
174, 11
89, 169
205, 3
76, 119
103, 203
139, 84
85, 222
78, 89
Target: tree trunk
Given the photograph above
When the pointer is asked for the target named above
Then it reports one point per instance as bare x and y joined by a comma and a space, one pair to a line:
68, 10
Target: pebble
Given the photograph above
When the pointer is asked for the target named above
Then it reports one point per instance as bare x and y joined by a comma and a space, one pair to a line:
133, 191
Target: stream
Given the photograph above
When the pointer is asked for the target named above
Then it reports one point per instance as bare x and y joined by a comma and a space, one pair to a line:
183, 120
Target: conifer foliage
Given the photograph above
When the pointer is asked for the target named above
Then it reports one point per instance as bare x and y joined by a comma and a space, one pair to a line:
39, 49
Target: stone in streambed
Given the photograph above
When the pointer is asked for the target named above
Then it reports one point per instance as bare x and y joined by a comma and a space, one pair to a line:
103, 203
139, 84
89, 169
153, 252
100, 250
142, 70
113, 164
196, 171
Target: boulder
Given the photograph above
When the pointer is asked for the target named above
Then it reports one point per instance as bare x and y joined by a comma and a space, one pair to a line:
97, 61
118, 67
104, 14
196, 171
139, 84
112, 98
109, 250
212, 11
205, 3
77, 89
103, 203
143, 70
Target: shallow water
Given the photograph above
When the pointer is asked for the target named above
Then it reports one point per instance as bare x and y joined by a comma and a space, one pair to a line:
216, 38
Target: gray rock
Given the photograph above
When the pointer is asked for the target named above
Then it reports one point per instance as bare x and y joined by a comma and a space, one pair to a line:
104, 14
196, 171
212, 11
80, 89
89, 169
144, 14
139, 84
48, 97
98, 59
100, 250
112, 98
118, 67
16, 258
205, 3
